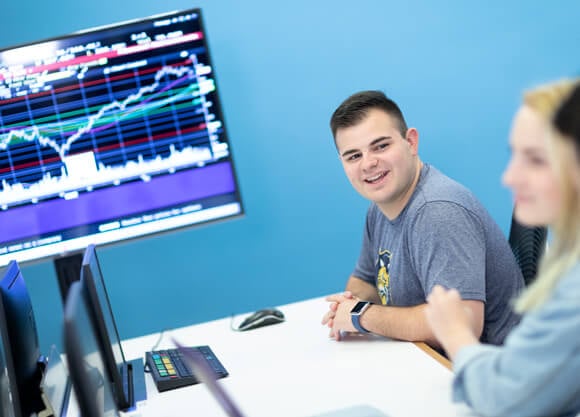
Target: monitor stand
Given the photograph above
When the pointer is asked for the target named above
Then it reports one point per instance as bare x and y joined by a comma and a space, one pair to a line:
68, 270
134, 378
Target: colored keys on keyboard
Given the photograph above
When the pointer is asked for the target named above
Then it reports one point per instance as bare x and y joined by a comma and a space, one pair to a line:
170, 371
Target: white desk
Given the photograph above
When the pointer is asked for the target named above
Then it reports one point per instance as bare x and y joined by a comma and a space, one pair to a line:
294, 369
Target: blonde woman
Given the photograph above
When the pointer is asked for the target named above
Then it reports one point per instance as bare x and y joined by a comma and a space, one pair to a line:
537, 370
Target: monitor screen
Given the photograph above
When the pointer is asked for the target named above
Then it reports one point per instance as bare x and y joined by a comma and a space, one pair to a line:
105, 326
20, 338
85, 361
111, 133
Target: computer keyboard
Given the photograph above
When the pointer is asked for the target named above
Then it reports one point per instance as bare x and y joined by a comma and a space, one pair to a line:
170, 370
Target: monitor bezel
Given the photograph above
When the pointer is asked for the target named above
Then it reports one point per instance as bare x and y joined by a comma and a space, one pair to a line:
116, 375
19, 324
231, 211
12, 386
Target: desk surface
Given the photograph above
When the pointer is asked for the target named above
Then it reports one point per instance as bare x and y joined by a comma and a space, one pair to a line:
294, 369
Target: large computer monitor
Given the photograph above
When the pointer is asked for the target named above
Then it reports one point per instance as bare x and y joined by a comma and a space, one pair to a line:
127, 377
94, 396
109, 134
19, 345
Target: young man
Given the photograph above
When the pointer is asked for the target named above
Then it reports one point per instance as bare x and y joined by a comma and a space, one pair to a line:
422, 229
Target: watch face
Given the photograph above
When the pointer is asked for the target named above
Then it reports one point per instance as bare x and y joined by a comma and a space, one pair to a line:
358, 307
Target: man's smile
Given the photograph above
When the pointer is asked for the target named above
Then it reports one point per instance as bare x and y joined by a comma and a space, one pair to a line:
376, 178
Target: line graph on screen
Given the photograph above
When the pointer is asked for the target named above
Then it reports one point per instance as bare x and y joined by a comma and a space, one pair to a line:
95, 123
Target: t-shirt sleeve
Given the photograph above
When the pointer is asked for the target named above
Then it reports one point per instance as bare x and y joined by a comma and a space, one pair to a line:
447, 247
365, 268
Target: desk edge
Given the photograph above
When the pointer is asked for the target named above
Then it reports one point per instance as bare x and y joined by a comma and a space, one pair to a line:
434, 354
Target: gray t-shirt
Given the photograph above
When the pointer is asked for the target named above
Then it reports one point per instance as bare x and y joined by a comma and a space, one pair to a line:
443, 236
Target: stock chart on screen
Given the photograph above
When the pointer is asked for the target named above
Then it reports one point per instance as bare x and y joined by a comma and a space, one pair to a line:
111, 133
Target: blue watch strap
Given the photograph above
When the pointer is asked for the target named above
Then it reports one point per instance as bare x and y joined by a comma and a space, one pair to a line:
356, 313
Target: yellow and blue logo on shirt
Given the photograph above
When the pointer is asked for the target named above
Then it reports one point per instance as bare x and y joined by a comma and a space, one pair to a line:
383, 278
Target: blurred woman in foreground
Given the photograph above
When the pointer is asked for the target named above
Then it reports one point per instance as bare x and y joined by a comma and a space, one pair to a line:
537, 370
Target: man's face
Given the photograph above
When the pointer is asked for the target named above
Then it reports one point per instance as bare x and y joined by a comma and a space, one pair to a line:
380, 163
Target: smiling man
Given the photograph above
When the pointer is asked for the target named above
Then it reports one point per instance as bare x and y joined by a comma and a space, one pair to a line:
422, 229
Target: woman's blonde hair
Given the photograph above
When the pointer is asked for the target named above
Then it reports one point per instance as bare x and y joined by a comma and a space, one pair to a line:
564, 249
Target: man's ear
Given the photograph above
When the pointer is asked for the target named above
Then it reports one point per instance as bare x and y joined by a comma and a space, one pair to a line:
412, 136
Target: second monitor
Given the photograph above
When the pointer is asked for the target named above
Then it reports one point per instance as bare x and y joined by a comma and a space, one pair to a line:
93, 390
127, 377
20, 359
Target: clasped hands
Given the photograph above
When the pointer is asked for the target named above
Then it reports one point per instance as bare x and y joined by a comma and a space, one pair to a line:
444, 312
338, 316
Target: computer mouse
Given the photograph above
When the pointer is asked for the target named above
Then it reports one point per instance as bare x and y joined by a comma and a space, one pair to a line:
262, 318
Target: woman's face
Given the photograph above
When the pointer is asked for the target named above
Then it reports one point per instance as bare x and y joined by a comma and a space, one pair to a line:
529, 174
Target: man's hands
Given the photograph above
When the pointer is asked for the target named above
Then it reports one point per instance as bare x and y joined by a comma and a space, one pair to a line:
338, 316
445, 320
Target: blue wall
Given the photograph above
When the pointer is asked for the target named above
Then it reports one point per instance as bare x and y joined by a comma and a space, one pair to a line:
456, 68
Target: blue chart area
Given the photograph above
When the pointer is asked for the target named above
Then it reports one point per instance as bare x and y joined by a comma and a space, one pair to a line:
101, 112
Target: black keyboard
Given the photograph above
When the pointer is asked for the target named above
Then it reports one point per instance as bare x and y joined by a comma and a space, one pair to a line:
170, 370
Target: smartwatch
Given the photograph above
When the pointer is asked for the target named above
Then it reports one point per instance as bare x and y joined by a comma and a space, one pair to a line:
356, 313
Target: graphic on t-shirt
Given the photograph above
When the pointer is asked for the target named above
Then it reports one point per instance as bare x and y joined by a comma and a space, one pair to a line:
383, 278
